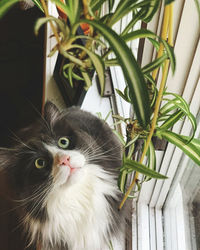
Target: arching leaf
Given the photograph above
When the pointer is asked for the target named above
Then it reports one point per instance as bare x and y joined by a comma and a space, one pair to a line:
137, 86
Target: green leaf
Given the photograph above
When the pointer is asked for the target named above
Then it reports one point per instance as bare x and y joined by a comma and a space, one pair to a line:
111, 62
132, 141
65, 7
155, 64
74, 6
87, 79
151, 156
74, 75
180, 103
151, 10
96, 4
198, 7
179, 99
155, 43
168, 1
135, 18
137, 86
71, 57
170, 53
70, 74
119, 92
122, 181
110, 5
5, 5
131, 165
38, 4
168, 123
191, 149
120, 137
124, 7
98, 64
41, 21
142, 33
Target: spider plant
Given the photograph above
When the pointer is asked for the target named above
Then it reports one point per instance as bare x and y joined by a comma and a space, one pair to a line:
106, 48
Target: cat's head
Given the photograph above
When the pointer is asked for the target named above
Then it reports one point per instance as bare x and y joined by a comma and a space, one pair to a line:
55, 149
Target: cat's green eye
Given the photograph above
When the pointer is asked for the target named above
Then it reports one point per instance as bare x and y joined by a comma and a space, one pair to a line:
63, 142
40, 163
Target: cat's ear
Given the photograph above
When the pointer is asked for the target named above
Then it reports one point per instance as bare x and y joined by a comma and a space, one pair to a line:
51, 112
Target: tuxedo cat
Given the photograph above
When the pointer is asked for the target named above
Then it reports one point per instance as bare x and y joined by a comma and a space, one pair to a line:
64, 172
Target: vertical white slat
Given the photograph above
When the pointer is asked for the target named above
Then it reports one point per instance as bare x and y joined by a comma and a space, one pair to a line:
175, 229
51, 90
185, 47
143, 227
152, 228
159, 229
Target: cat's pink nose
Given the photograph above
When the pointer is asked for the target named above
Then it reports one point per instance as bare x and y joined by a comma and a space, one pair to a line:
64, 160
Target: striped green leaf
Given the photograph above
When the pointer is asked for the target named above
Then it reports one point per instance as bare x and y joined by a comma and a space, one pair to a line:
74, 6
170, 53
179, 103
96, 4
123, 96
137, 86
151, 156
120, 137
192, 149
173, 118
131, 165
122, 180
111, 62
152, 8
74, 75
135, 18
97, 62
38, 4
155, 64
41, 21
87, 79
142, 33
5, 5
65, 7
124, 7
168, 1
197, 6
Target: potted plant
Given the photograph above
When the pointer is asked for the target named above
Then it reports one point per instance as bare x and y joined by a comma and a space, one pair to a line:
150, 119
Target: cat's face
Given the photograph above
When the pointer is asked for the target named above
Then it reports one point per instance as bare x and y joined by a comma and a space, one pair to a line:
54, 152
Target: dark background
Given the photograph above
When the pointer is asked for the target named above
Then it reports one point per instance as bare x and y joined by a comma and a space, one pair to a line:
21, 85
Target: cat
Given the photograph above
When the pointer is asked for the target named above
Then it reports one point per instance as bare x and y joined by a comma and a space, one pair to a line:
64, 172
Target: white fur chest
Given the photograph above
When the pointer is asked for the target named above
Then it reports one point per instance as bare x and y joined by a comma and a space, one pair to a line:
79, 213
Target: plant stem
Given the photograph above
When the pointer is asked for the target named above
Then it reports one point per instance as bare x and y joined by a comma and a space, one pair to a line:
167, 24
163, 35
51, 24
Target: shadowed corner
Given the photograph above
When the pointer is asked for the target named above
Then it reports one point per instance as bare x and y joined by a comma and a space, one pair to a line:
21, 71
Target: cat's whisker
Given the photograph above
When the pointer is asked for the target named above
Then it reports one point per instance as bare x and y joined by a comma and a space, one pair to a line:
17, 139
37, 190
40, 115
36, 205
